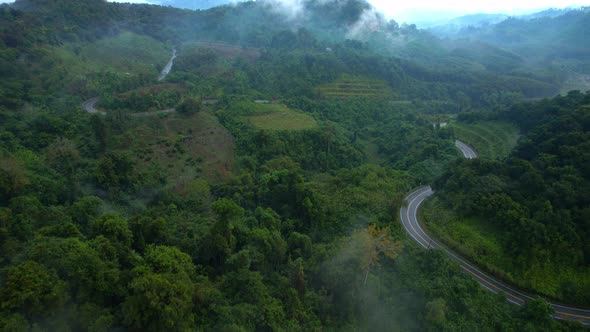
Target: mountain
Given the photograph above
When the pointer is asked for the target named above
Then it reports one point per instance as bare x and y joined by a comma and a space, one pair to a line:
453, 27
553, 12
194, 4
543, 37
245, 167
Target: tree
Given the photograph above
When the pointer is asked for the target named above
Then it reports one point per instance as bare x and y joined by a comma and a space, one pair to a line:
537, 310
63, 155
114, 228
300, 245
375, 241
227, 213
164, 259
190, 105
13, 178
100, 131
220, 241
158, 302
147, 230
85, 211
197, 195
162, 292
436, 311
89, 277
114, 171
32, 289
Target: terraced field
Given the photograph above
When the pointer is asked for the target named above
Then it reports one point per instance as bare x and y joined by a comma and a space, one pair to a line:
279, 117
354, 87
491, 139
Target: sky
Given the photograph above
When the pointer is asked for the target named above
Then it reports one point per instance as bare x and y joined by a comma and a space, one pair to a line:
419, 10
428, 10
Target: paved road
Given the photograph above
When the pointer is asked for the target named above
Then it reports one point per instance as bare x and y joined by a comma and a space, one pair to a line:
88, 106
466, 149
168, 67
409, 218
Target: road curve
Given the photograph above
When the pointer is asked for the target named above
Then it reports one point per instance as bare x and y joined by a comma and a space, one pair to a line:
409, 219
88, 106
467, 151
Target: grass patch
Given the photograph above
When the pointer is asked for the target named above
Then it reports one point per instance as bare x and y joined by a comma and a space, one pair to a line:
491, 139
349, 86
279, 117
125, 53
472, 238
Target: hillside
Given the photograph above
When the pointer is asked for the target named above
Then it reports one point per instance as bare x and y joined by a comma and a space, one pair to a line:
547, 40
522, 218
258, 184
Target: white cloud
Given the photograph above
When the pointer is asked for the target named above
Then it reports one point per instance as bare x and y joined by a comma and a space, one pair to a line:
417, 9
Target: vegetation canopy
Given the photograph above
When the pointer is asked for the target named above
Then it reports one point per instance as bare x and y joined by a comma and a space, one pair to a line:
242, 168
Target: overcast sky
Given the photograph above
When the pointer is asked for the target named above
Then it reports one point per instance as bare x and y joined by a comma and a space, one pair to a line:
418, 10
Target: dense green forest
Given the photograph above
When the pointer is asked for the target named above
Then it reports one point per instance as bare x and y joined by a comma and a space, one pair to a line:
551, 40
257, 187
531, 208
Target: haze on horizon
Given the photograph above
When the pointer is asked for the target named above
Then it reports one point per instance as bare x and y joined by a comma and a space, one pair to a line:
431, 10
419, 11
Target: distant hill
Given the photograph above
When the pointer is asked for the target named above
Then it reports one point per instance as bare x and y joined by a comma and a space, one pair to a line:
566, 34
194, 4
553, 12
455, 26
475, 20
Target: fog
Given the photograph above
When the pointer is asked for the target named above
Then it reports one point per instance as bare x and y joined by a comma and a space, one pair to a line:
419, 11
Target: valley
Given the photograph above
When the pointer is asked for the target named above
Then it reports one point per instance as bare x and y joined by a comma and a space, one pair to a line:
262, 167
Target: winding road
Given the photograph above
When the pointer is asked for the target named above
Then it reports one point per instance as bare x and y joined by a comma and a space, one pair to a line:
409, 218
88, 106
466, 150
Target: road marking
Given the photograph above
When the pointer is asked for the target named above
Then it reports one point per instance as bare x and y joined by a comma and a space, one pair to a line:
489, 283
425, 244
466, 150
510, 296
512, 301
420, 229
481, 273
415, 191
486, 283
510, 293
408, 231
573, 315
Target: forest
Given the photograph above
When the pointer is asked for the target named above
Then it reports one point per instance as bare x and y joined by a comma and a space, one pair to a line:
257, 187
535, 200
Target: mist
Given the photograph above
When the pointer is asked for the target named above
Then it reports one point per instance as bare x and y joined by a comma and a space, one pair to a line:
421, 12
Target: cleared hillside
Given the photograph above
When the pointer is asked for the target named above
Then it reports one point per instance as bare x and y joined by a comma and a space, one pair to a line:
491, 139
